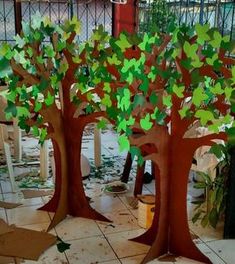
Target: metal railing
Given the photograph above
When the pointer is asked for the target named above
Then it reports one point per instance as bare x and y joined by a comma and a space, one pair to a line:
90, 13
219, 13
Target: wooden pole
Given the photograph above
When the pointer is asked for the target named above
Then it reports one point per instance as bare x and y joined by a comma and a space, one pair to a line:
17, 140
18, 16
97, 147
44, 161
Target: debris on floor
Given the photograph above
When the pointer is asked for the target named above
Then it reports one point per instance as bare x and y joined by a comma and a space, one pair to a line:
34, 242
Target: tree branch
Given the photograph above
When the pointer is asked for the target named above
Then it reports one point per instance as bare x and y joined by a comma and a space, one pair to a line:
206, 140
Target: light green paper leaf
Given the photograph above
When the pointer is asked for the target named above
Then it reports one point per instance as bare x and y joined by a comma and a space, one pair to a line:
201, 31
43, 134
178, 90
167, 100
204, 116
50, 99
106, 100
37, 106
114, 60
198, 96
102, 124
124, 143
217, 89
145, 122
183, 111
124, 101
22, 111
107, 87
123, 43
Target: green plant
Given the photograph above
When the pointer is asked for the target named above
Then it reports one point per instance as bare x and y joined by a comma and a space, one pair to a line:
155, 14
212, 209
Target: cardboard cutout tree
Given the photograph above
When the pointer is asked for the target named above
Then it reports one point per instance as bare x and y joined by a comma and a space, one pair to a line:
56, 89
173, 81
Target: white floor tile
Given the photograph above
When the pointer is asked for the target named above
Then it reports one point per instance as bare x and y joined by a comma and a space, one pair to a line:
208, 233
151, 186
51, 256
107, 204
212, 255
90, 250
6, 186
183, 260
225, 249
111, 262
122, 221
125, 248
19, 198
27, 216
77, 228
3, 215
133, 260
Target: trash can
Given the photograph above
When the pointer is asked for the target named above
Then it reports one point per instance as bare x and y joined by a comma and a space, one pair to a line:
146, 208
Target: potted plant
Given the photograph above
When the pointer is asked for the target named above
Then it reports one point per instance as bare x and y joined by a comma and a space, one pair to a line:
212, 209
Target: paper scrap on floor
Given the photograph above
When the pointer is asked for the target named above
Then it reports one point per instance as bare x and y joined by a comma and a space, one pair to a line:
36, 193
34, 242
8, 205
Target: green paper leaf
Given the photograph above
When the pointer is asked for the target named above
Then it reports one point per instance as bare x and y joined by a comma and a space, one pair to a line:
217, 89
101, 124
124, 143
106, 100
5, 69
167, 100
62, 246
114, 60
231, 135
11, 109
50, 99
144, 85
20, 42
123, 43
135, 151
22, 111
202, 32
124, 101
37, 106
43, 134
199, 96
183, 112
153, 98
178, 90
35, 131
145, 122
204, 116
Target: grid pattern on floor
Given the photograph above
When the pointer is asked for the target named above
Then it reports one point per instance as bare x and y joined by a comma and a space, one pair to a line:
98, 242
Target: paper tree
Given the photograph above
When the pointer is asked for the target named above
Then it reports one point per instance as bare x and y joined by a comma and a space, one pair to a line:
57, 88
170, 81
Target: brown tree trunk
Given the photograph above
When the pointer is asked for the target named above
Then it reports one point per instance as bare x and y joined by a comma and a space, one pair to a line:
78, 204
158, 232
69, 196
173, 234
180, 242
53, 203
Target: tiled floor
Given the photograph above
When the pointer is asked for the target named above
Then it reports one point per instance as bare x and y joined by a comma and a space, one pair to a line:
97, 242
